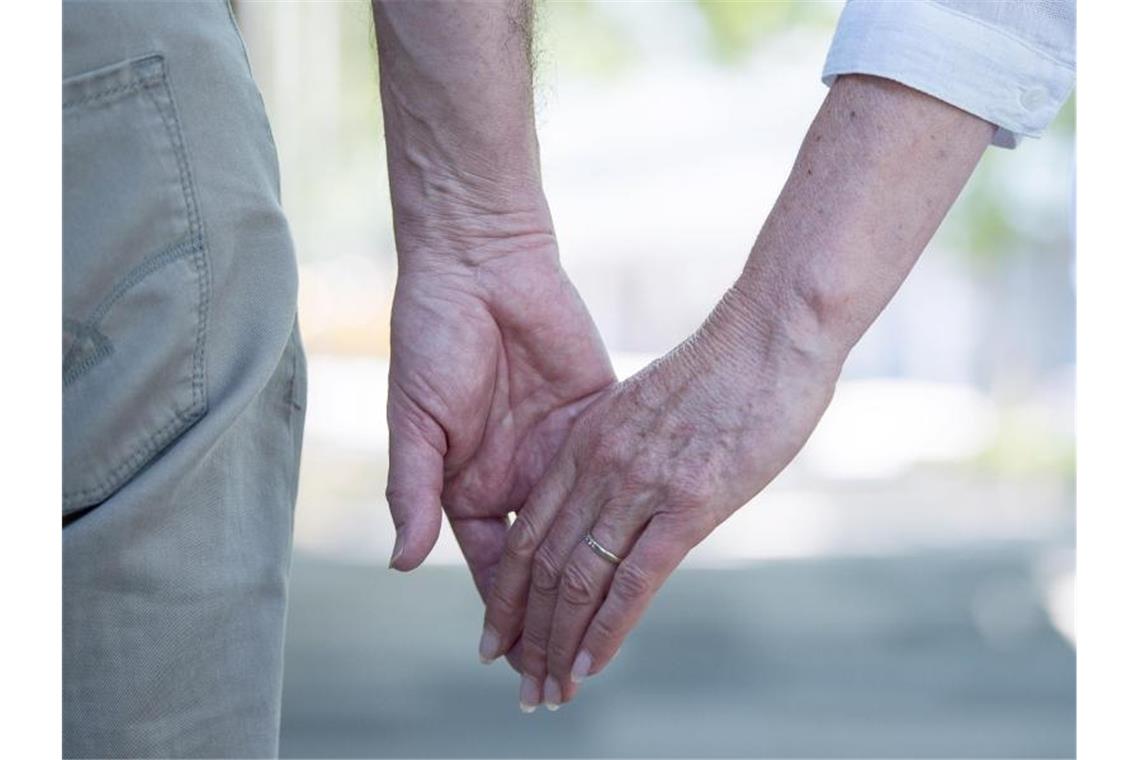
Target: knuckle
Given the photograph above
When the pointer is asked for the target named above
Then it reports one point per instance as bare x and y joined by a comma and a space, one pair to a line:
522, 539
545, 576
691, 491
603, 634
575, 588
631, 583
500, 602
610, 439
398, 497
606, 460
643, 474
534, 644
683, 529
557, 655
610, 451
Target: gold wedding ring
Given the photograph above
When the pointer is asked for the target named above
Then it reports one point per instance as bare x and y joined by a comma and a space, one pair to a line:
600, 550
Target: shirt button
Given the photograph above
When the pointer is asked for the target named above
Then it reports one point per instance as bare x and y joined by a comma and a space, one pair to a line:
1034, 98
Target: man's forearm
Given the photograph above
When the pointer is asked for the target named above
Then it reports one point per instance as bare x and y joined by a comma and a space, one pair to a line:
459, 122
877, 172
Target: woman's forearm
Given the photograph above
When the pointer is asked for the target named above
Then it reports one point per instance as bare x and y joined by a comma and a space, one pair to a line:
877, 171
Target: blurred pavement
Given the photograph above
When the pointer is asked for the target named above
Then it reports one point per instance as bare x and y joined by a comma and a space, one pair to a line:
948, 653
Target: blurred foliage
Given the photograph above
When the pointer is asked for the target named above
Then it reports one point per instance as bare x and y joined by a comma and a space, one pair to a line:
582, 37
1016, 206
1025, 444
992, 222
1066, 121
995, 219
736, 26
592, 41
980, 223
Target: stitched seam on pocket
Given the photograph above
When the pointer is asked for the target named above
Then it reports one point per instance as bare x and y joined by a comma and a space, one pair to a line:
90, 328
146, 267
100, 349
198, 251
122, 90
147, 449
196, 229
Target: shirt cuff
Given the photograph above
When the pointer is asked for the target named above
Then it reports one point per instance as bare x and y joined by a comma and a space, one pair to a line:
956, 58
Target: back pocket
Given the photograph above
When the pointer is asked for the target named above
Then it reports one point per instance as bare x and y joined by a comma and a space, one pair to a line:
135, 279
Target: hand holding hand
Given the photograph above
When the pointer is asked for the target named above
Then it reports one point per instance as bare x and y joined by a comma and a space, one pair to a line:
648, 471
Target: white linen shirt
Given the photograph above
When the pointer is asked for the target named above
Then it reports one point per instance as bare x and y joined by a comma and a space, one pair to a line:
1010, 62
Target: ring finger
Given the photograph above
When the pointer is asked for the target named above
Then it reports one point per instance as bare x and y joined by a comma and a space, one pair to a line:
574, 517
583, 585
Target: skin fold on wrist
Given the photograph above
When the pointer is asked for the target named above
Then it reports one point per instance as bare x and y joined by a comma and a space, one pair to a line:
471, 237
767, 337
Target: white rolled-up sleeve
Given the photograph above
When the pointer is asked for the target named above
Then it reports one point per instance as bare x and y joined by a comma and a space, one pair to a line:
1010, 63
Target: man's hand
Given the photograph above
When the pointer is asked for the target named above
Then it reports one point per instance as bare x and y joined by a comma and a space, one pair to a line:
491, 363
493, 353
659, 461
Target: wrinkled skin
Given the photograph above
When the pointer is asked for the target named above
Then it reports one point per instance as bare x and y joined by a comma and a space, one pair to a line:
491, 364
650, 469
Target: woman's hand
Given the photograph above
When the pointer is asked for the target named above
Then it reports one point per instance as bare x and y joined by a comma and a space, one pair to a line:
657, 462
649, 469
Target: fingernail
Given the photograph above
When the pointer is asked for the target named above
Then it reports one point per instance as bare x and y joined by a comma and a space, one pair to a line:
488, 645
552, 693
529, 694
581, 667
397, 550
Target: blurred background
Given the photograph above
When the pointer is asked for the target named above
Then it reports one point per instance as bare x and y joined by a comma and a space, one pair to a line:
905, 588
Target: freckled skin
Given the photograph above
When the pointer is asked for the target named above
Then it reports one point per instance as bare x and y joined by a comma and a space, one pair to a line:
657, 462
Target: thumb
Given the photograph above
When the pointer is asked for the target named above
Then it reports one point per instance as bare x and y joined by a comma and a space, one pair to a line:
415, 481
